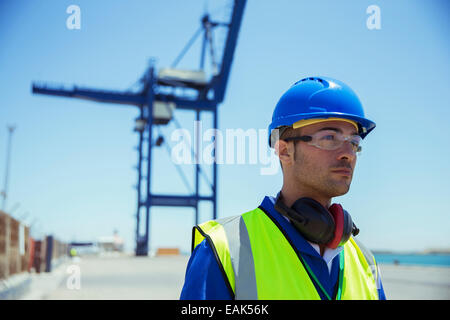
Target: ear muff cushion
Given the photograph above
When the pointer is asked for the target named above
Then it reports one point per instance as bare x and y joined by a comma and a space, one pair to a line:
318, 225
338, 215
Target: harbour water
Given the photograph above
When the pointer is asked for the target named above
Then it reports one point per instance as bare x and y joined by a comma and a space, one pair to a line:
442, 260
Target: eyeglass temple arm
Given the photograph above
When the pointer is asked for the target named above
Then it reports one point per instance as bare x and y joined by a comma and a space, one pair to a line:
302, 138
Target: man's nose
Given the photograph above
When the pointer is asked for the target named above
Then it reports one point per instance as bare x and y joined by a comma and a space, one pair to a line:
346, 151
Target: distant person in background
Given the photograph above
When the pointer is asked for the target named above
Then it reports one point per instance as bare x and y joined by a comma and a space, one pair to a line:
73, 252
295, 245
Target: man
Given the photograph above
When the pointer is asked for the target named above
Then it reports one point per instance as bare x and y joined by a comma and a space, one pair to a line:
297, 245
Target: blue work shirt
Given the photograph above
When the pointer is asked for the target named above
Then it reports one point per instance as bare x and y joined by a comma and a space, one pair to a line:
205, 281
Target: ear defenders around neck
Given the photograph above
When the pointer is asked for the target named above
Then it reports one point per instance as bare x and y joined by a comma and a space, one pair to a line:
332, 227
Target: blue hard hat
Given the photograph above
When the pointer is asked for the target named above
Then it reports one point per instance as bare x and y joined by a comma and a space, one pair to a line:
317, 98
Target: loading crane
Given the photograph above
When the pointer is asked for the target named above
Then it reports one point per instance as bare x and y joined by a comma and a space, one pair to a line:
160, 96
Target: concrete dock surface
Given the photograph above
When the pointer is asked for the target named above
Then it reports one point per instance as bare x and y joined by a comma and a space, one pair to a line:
113, 278
413, 282
162, 278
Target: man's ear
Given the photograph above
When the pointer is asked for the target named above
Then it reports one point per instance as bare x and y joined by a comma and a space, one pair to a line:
283, 151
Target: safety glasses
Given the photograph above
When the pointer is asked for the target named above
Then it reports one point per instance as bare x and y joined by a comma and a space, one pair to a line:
329, 140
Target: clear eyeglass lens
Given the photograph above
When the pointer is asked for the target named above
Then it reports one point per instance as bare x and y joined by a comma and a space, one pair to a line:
331, 140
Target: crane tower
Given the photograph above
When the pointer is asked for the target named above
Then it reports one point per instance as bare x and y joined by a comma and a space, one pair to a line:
161, 94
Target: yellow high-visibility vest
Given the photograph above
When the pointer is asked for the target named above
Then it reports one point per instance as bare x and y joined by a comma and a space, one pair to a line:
259, 262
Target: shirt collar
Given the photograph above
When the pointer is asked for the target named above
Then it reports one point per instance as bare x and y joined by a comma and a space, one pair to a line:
329, 253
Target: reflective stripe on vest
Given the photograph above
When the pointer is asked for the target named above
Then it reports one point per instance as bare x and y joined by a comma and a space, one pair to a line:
258, 261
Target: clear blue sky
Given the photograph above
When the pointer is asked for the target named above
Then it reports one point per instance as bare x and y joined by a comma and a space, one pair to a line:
72, 160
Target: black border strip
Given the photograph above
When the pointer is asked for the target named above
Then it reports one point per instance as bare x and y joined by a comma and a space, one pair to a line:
193, 238
222, 270
291, 244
